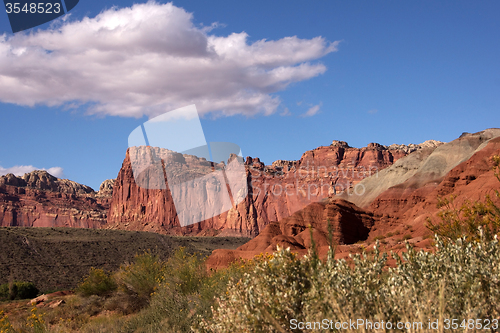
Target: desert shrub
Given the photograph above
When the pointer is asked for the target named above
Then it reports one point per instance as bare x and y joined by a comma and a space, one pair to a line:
174, 297
268, 296
138, 280
468, 218
18, 290
4, 291
98, 282
184, 271
186, 293
458, 280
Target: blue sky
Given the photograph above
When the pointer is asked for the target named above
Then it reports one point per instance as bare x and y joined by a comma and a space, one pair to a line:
384, 71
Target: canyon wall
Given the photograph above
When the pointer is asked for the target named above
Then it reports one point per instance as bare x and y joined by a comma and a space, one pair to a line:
39, 199
275, 191
397, 203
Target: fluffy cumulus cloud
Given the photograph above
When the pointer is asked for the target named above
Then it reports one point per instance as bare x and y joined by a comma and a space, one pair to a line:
151, 58
20, 170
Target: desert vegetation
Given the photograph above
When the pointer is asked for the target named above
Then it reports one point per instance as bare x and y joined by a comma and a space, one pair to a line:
17, 290
57, 258
281, 292
146, 295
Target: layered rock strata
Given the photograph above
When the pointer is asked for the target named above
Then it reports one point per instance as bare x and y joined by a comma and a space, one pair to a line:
398, 202
39, 199
274, 192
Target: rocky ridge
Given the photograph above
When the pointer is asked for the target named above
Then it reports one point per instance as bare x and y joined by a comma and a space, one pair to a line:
106, 188
42, 180
400, 199
398, 147
38, 199
275, 191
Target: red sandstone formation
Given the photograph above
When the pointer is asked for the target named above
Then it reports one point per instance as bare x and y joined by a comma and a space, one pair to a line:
471, 180
274, 192
39, 199
348, 224
397, 214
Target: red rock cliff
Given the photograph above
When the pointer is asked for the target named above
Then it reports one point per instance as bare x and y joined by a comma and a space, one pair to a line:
463, 168
274, 192
39, 199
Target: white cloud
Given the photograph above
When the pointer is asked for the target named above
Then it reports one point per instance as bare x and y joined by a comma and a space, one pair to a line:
20, 170
312, 111
151, 58
286, 112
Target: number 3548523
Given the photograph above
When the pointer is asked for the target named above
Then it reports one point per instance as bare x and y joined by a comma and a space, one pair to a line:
33, 8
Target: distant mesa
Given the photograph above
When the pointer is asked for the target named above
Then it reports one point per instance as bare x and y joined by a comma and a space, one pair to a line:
38, 199
42, 180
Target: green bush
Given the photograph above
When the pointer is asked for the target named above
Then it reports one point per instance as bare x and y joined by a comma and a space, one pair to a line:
186, 293
4, 291
98, 283
137, 281
18, 290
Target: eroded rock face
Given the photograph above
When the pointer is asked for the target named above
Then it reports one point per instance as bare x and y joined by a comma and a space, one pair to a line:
274, 192
413, 147
397, 212
39, 199
348, 224
106, 188
414, 200
422, 168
